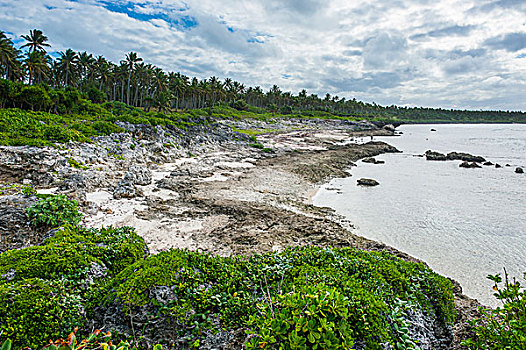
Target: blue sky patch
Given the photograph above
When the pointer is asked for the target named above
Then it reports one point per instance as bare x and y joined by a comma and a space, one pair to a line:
181, 22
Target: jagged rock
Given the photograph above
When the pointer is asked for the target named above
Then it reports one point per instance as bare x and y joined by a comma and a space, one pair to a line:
389, 127
372, 160
139, 175
519, 170
73, 182
16, 230
488, 163
497, 165
36, 164
125, 189
469, 165
367, 182
466, 157
432, 155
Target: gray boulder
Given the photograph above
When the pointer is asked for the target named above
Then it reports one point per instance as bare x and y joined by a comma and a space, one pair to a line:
469, 165
367, 182
139, 175
432, 155
125, 189
466, 157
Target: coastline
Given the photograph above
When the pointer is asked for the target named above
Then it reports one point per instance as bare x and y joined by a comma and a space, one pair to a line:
235, 199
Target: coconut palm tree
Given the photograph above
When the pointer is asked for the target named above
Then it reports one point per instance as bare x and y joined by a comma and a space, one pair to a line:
131, 60
67, 64
36, 64
36, 41
9, 57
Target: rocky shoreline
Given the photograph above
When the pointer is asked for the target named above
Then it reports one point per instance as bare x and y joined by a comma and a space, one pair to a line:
208, 189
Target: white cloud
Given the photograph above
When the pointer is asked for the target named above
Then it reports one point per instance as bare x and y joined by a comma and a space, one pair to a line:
448, 53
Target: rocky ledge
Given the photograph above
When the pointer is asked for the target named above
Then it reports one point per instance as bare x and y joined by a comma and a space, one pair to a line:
212, 192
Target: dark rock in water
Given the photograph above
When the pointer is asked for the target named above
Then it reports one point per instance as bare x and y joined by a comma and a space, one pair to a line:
389, 127
519, 170
488, 163
469, 165
372, 160
497, 165
125, 189
466, 157
508, 165
432, 155
433, 129
367, 182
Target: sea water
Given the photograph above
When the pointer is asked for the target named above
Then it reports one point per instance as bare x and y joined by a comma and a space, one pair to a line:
464, 223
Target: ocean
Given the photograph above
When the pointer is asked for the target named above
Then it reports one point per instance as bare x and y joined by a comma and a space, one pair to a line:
464, 223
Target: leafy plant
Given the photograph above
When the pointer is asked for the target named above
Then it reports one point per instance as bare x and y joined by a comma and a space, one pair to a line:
54, 211
503, 327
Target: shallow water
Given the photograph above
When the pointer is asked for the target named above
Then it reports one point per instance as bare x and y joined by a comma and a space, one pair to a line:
465, 223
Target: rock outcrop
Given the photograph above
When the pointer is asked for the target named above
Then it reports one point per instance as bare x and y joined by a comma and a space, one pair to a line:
466, 157
432, 155
367, 182
469, 165
372, 160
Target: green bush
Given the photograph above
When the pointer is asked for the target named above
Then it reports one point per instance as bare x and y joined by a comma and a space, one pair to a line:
44, 289
503, 327
315, 317
366, 290
34, 311
54, 211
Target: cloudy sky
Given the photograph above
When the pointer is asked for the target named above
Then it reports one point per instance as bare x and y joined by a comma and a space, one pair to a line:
437, 53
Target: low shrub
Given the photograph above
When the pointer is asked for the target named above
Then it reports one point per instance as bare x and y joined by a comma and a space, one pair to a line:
54, 211
503, 327
33, 311
44, 289
351, 295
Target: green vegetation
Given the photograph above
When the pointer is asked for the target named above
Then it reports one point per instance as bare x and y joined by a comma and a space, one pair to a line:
299, 296
54, 211
504, 327
55, 84
44, 289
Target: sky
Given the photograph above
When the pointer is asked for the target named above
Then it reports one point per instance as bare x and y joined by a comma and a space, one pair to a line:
467, 54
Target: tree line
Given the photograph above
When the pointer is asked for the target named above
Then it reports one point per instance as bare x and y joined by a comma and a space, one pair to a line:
137, 83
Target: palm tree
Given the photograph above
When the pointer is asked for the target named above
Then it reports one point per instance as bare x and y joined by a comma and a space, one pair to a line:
9, 56
131, 60
36, 64
67, 64
36, 40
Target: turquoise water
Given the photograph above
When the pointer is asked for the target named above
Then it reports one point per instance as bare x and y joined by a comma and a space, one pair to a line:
464, 223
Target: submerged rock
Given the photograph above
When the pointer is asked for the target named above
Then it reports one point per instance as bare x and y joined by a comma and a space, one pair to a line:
432, 155
367, 182
469, 165
465, 157
372, 160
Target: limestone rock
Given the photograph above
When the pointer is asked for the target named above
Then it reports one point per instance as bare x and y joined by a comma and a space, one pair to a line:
432, 155
367, 182
139, 175
466, 157
469, 165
